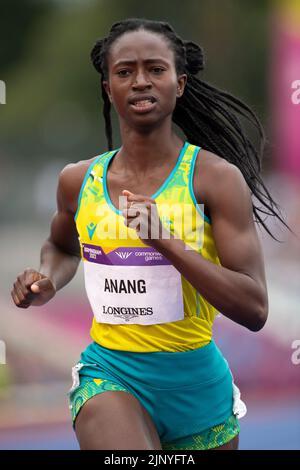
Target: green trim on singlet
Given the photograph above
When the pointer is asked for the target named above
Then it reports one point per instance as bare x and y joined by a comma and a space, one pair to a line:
193, 161
106, 195
156, 194
85, 180
164, 185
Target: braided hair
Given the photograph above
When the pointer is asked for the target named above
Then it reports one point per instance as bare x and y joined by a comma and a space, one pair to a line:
208, 116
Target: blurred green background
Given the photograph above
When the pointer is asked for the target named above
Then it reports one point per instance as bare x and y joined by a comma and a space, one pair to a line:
54, 107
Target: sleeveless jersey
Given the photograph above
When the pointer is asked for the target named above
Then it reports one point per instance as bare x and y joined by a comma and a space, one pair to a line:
141, 303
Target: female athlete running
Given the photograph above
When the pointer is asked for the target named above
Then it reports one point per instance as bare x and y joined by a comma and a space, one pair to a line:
160, 265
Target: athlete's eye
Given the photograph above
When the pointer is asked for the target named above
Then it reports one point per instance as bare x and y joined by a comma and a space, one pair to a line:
123, 73
158, 70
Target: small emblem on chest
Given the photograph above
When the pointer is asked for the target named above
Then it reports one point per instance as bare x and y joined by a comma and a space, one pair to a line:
91, 230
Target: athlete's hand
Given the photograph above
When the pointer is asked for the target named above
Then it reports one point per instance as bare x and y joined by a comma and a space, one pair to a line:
140, 213
32, 288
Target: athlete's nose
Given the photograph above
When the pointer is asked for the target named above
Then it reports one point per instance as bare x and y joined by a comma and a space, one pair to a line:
141, 81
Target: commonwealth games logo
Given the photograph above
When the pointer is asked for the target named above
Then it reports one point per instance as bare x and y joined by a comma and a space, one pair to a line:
123, 255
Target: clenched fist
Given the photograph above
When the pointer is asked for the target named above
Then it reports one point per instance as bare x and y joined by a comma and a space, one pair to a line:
32, 288
140, 212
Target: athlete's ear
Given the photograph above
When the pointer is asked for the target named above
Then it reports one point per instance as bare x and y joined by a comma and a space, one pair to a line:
107, 89
181, 82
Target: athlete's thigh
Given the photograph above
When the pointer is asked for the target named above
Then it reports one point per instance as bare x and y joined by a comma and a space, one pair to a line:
115, 420
231, 445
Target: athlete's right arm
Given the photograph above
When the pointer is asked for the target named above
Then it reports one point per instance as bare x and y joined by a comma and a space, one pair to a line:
60, 254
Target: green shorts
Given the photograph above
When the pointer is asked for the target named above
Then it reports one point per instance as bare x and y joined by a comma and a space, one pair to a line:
190, 396
208, 439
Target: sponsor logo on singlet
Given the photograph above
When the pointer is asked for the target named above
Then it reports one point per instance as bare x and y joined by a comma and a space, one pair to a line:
91, 230
126, 313
132, 288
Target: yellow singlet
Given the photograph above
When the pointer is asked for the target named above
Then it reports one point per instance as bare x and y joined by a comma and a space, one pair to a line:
132, 288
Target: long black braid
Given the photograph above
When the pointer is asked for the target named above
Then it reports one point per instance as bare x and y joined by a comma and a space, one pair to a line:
206, 115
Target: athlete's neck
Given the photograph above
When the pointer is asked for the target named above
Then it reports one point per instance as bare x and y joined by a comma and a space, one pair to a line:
141, 153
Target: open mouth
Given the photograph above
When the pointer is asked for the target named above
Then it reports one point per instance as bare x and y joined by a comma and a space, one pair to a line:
143, 103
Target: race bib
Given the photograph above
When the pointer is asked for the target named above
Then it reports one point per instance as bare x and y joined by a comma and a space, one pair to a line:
132, 286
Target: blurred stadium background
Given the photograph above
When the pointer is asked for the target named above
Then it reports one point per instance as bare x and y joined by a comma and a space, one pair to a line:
52, 116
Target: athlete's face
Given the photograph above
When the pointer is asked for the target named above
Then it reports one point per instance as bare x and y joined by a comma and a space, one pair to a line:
142, 81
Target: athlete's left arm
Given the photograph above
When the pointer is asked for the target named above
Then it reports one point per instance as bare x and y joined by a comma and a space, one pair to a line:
237, 288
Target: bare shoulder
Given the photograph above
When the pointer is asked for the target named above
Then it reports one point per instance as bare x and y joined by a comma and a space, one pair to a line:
213, 177
69, 183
